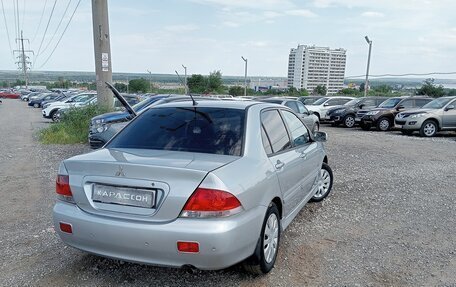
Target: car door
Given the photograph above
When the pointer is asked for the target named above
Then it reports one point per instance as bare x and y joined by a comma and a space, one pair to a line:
310, 156
304, 113
449, 115
285, 160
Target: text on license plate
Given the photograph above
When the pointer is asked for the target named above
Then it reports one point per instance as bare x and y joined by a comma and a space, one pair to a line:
123, 195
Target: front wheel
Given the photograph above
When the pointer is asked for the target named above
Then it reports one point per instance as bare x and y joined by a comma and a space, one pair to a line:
383, 124
264, 257
428, 129
349, 121
54, 116
325, 183
36, 105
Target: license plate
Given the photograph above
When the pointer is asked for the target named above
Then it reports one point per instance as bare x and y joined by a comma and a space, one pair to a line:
123, 195
357, 119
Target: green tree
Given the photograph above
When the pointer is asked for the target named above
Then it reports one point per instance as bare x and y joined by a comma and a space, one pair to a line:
236, 91
214, 82
303, 93
121, 87
383, 89
429, 88
197, 84
320, 90
138, 85
451, 92
348, 91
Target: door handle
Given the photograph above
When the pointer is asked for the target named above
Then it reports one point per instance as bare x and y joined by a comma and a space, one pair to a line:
279, 164
303, 155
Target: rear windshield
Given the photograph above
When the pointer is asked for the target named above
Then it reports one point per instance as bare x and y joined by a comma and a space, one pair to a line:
205, 130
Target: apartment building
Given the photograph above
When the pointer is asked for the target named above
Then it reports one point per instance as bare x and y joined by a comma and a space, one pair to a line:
310, 66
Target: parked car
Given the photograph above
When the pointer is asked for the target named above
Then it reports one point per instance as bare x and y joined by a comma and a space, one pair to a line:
308, 100
346, 114
383, 117
320, 107
36, 102
178, 171
59, 98
50, 111
26, 97
9, 95
61, 112
435, 116
100, 132
311, 120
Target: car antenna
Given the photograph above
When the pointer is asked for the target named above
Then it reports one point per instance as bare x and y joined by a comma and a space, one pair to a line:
121, 99
180, 79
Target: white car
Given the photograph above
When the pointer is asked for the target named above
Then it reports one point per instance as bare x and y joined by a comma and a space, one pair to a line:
50, 112
321, 106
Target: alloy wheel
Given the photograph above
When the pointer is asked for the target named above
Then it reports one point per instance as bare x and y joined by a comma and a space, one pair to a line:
323, 183
429, 129
349, 121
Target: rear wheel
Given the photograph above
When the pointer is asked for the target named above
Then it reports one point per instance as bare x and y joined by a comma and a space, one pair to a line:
428, 129
383, 124
264, 257
349, 121
36, 105
324, 183
54, 116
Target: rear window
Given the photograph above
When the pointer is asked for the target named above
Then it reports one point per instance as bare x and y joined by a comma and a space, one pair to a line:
204, 130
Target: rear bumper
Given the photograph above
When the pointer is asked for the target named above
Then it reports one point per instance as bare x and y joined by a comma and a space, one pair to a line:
222, 242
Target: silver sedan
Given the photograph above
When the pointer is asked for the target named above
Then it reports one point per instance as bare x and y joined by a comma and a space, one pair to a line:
207, 184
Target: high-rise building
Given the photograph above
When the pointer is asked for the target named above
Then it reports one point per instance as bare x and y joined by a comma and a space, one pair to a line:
310, 66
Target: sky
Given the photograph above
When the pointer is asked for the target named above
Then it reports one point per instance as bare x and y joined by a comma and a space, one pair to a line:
409, 36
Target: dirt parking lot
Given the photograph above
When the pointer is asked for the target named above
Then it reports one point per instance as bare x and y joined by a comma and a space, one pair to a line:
390, 220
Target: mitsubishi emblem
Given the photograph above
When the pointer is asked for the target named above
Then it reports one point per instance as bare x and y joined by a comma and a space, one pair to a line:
120, 172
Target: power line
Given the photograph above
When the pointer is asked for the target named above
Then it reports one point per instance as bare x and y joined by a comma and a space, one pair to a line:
7, 32
404, 75
15, 21
41, 19
61, 36
23, 14
18, 21
45, 31
58, 26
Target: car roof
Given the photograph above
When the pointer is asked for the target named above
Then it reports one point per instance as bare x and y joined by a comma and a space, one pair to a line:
211, 104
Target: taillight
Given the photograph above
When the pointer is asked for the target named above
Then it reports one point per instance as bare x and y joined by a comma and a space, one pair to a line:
206, 202
189, 247
62, 188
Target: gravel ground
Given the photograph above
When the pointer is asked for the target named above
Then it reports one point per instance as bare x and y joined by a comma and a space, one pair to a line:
390, 220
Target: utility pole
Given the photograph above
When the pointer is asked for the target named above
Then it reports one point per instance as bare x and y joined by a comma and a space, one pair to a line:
23, 58
150, 81
185, 80
366, 84
245, 76
102, 48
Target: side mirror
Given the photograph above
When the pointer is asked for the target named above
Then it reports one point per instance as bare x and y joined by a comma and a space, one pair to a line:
362, 106
450, 107
399, 107
320, 136
325, 104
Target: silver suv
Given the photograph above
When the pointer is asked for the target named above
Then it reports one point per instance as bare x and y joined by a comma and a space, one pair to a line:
438, 115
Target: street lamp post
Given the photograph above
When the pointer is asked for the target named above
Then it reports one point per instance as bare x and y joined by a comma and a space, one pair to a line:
150, 81
366, 84
185, 79
245, 76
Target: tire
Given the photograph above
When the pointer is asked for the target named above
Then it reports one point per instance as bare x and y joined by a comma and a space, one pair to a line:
325, 183
428, 129
407, 132
383, 124
53, 116
349, 121
262, 260
36, 105
365, 127
316, 128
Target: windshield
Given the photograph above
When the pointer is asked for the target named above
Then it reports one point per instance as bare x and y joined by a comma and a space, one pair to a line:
390, 103
437, 103
204, 130
82, 98
320, 101
353, 102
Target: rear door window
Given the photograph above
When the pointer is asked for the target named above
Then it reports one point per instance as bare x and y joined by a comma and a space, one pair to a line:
204, 130
275, 130
407, 104
421, 102
299, 133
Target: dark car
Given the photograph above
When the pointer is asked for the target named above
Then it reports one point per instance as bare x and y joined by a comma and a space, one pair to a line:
101, 131
36, 103
382, 117
60, 97
346, 114
308, 100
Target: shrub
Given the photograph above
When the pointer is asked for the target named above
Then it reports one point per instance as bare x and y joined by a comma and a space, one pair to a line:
73, 128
